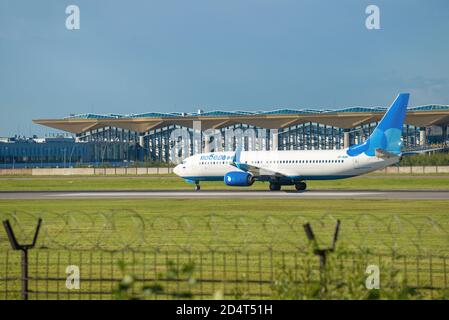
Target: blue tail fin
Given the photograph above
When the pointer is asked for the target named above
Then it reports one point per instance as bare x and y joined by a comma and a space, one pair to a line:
387, 135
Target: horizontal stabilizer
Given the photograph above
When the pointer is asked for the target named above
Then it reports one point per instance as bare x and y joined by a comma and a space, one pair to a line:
422, 151
380, 153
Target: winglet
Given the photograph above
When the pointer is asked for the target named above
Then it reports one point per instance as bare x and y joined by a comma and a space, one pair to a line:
237, 154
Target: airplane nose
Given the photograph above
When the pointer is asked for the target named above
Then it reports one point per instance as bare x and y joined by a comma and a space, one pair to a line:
177, 170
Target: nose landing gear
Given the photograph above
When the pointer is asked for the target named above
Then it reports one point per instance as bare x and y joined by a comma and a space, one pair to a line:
197, 187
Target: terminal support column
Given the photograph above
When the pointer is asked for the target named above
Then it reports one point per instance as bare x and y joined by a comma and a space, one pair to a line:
274, 137
206, 143
197, 137
142, 153
142, 140
422, 136
346, 139
444, 133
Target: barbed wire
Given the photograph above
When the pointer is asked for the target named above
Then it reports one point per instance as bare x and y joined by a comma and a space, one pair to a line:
130, 230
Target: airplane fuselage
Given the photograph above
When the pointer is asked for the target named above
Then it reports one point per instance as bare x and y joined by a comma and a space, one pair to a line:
242, 168
289, 165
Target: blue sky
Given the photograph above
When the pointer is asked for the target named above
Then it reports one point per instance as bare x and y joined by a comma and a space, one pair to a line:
137, 56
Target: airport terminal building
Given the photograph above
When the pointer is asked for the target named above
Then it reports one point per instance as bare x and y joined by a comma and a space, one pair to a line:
116, 138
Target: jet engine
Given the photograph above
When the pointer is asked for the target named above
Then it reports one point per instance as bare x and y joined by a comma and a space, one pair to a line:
239, 179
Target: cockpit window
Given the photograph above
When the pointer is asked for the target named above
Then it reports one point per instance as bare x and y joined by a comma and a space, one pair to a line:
184, 162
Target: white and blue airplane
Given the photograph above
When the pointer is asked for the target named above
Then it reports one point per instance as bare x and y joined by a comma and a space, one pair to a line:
294, 167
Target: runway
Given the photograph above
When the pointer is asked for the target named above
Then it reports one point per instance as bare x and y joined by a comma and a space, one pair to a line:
223, 194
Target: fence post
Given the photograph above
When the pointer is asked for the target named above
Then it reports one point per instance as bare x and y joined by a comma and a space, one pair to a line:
321, 253
24, 253
24, 268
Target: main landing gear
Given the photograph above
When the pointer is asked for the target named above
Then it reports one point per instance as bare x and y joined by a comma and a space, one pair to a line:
197, 187
300, 186
275, 186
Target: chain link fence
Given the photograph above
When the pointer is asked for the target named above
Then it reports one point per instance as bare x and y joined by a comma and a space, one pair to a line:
135, 255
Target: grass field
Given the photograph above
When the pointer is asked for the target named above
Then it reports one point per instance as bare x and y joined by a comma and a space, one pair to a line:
369, 182
375, 223
242, 243
239, 248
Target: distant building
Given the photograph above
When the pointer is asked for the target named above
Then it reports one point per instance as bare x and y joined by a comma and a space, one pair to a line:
64, 152
120, 139
282, 129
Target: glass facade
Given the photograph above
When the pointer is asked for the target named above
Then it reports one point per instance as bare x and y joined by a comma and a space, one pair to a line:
28, 153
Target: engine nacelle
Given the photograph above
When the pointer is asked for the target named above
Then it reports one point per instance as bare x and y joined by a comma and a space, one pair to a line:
239, 179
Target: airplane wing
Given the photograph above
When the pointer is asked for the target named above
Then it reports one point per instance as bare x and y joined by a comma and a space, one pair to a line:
257, 171
254, 170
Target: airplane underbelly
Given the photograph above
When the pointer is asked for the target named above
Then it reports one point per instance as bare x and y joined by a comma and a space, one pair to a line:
322, 171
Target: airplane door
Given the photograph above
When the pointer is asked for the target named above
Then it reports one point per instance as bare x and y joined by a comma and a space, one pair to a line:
356, 162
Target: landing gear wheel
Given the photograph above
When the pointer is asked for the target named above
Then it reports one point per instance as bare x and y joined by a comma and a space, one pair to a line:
301, 186
197, 187
275, 187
